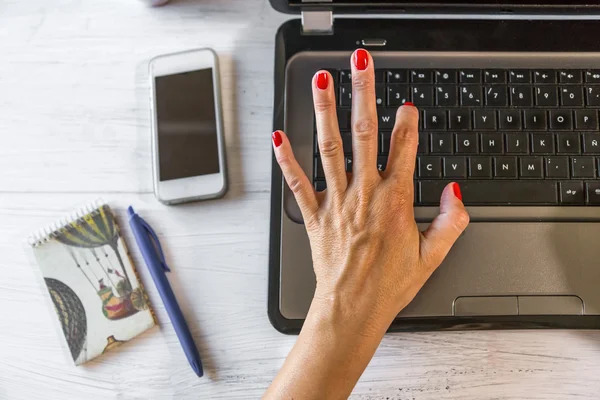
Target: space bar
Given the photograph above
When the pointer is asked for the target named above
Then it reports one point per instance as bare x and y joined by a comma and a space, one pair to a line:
493, 192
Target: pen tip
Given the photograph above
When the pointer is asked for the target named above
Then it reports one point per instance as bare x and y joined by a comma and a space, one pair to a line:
197, 369
130, 211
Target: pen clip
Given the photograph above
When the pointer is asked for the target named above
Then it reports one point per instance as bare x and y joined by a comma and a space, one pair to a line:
157, 246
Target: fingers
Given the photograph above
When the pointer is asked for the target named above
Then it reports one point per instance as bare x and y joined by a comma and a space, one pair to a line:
364, 116
445, 228
295, 176
330, 140
403, 143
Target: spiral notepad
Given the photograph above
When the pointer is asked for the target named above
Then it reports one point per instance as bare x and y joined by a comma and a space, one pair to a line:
98, 298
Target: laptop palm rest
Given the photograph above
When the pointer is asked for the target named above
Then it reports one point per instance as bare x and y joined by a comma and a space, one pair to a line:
497, 268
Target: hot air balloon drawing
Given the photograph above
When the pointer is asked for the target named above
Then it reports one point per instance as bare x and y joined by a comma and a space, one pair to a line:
89, 240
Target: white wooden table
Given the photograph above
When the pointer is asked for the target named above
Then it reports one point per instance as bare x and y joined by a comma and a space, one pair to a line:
74, 126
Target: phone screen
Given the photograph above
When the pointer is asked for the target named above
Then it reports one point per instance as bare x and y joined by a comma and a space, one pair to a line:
186, 125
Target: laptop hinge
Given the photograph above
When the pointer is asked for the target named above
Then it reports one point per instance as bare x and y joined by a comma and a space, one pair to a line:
317, 22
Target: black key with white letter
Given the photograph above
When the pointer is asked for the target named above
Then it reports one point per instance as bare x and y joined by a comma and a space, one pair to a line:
442, 143
434, 119
569, 76
544, 76
505, 167
571, 192
398, 95
520, 96
470, 96
422, 95
484, 119
531, 167
517, 143
519, 76
593, 193
568, 143
430, 167
546, 96
381, 163
387, 118
480, 167
421, 76
495, 96
536, 120
455, 167
491, 143
591, 143
592, 96
466, 143
542, 143
445, 96
571, 96
561, 120
460, 119
586, 120
510, 120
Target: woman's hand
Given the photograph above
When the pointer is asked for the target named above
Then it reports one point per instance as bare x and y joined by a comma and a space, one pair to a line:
369, 256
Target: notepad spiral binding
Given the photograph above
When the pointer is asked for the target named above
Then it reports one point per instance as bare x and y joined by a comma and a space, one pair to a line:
42, 235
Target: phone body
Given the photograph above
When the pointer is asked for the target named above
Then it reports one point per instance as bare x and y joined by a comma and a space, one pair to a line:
188, 146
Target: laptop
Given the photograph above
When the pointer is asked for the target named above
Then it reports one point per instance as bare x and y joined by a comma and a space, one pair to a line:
509, 95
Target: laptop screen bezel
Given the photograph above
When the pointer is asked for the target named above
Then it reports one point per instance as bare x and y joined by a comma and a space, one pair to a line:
483, 7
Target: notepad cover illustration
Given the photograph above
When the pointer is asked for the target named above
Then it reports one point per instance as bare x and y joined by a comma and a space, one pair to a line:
98, 298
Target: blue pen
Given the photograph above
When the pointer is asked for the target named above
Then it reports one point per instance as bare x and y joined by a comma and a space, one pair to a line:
155, 260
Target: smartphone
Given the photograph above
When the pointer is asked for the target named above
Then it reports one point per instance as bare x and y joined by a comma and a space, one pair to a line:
188, 148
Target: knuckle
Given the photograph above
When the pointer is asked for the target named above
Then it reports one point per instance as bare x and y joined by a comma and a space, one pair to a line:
364, 128
330, 147
324, 106
362, 82
296, 184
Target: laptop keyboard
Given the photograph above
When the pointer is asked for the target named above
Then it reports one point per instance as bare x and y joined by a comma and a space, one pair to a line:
508, 137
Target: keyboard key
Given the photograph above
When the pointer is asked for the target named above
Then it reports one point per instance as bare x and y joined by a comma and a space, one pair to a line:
568, 143
592, 76
385, 141
484, 119
445, 76
569, 76
382, 163
435, 119
345, 76
586, 120
561, 120
470, 76
455, 167
380, 76
495, 96
430, 167
510, 120
492, 143
320, 186
542, 143
531, 167
557, 167
571, 96
505, 167
571, 192
460, 119
517, 143
501, 192
519, 76
591, 143
398, 95
445, 96
421, 76
397, 76
544, 76
470, 96
520, 96
442, 143
318, 169
466, 143
344, 119
380, 94
386, 117
592, 94
347, 142
495, 76
592, 193
480, 167
536, 120
423, 147
546, 96
583, 167
422, 95
345, 99
348, 161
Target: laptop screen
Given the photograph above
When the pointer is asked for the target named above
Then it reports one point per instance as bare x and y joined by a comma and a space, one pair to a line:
438, 3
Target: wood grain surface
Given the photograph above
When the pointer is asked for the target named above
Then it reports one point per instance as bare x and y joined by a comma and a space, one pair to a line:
74, 127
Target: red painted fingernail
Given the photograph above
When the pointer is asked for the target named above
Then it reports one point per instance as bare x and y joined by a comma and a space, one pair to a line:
276, 136
409, 103
322, 80
361, 59
456, 190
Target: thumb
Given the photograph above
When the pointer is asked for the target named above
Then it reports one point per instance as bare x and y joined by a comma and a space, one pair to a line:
445, 228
